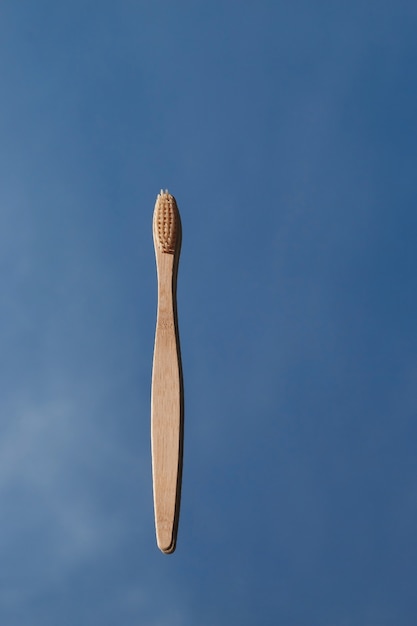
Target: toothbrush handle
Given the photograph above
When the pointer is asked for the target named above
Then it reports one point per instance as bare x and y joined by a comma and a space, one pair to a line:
166, 409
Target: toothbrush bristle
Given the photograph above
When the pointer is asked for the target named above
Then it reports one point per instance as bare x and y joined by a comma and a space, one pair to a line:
166, 222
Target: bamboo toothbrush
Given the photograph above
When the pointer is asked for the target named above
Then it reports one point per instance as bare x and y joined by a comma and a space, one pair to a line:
167, 405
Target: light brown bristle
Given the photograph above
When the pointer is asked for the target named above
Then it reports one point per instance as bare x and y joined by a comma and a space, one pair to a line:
166, 222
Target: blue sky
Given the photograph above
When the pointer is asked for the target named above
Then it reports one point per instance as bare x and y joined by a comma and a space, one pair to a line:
287, 133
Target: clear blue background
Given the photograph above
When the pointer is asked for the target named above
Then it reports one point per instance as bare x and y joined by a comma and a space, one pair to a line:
287, 132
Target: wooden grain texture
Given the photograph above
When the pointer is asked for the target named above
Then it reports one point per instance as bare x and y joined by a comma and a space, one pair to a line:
167, 406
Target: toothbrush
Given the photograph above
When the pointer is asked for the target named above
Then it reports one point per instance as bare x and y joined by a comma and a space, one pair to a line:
167, 403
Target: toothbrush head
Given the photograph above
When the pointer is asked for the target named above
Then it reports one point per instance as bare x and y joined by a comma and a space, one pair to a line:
166, 224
